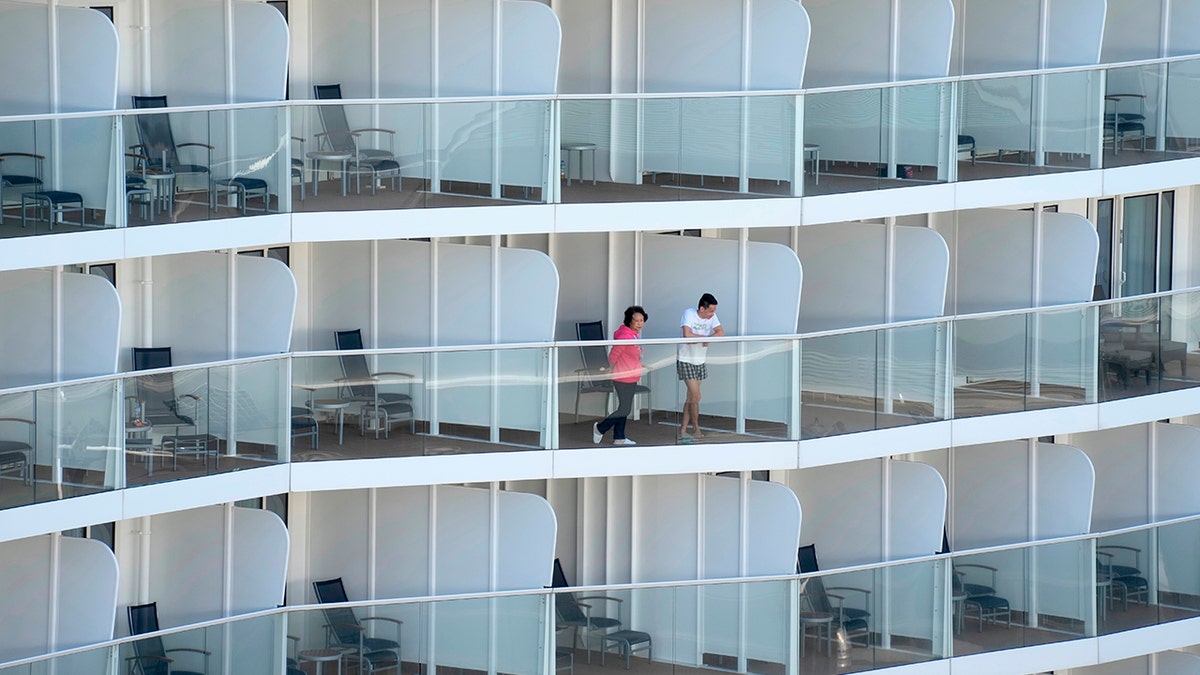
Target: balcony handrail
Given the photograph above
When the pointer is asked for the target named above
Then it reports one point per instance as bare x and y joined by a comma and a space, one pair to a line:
768, 93
128, 374
604, 588
564, 344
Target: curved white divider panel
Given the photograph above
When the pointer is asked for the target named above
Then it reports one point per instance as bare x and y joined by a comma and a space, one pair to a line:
1133, 29
86, 59
691, 49
434, 540
847, 260
446, 527
1177, 463
993, 261
91, 314
852, 41
677, 270
1000, 37
689, 527
189, 51
1121, 460
1176, 663
844, 508
190, 553
192, 301
991, 252
531, 39
992, 500
78, 575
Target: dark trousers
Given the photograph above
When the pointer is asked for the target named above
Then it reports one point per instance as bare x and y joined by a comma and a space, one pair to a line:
616, 421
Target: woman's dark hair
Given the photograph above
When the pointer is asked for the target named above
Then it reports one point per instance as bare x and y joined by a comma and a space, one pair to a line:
634, 309
706, 300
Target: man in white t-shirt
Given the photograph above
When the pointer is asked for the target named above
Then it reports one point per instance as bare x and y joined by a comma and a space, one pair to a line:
699, 322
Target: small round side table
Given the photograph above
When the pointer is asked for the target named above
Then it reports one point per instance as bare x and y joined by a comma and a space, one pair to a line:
321, 657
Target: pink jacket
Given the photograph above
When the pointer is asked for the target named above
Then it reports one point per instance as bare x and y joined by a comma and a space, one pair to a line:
626, 360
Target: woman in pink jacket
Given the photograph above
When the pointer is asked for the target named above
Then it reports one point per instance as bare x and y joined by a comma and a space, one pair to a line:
626, 361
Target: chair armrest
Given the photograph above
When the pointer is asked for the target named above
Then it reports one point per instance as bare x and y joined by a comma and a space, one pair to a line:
199, 145
392, 373
22, 154
298, 138
17, 419
396, 622
190, 649
864, 591
365, 619
194, 397
982, 567
148, 657
600, 597
385, 131
1120, 547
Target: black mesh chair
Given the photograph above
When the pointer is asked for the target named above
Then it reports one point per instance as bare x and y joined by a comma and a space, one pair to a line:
595, 375
575, 613
380, 409
150, 656
160, 407
815, 597
339, 137
157, 144
344, 630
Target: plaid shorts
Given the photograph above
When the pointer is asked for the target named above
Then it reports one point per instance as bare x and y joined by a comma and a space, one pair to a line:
691, 371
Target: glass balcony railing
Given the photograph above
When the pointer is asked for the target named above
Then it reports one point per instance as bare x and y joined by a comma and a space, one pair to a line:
102, 434
147, 427
854, 619
141, 167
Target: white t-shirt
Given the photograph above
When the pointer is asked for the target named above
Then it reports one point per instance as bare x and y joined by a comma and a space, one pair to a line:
694, 352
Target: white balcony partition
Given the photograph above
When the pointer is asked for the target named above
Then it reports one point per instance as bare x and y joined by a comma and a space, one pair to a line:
429, 540
87, 342
1121, 457
993, 501
677, 270
1133, 29
998, 37
86, 59
846, 515
688, 49
852, 41
711, 527
190, 53
848, 260
1177, 458
196, 559
77, 576
198, 315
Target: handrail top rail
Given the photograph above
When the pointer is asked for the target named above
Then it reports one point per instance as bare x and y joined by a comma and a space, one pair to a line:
386, 351
608, 588
427, 100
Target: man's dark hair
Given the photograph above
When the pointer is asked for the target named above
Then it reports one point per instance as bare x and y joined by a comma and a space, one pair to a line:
634, 309
706, 300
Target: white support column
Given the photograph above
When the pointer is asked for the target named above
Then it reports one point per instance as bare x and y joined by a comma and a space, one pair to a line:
1031, 560
494, 416
231, 350
431, 398
1034, 327
885, 369
55, 592
227, 514
494, 604
743, 328
56, 323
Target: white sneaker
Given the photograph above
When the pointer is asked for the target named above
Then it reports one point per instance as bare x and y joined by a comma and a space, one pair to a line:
596, 435
624, 441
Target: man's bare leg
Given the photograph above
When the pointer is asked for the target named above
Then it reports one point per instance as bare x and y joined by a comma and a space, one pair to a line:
691, 408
